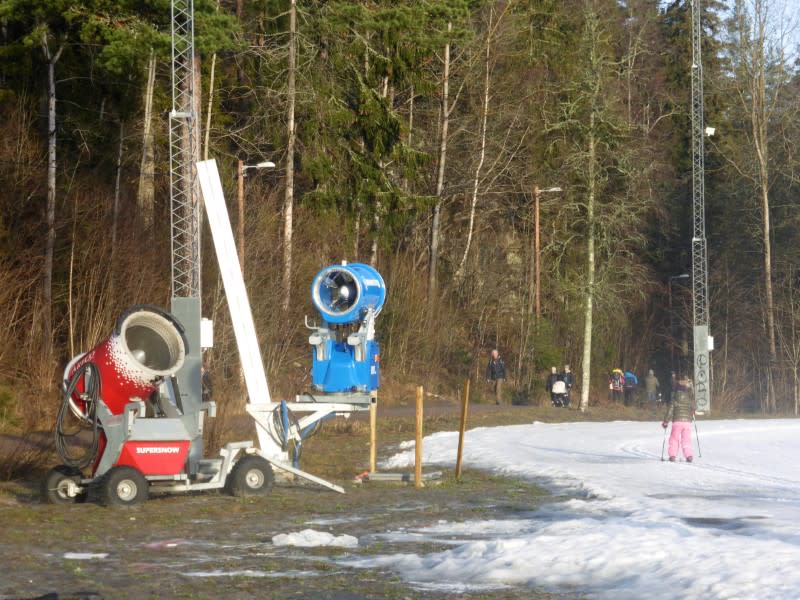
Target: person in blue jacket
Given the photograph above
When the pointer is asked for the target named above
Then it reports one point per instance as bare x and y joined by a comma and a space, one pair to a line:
631, 381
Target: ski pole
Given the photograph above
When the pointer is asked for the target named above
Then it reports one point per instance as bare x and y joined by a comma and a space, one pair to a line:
663, 443
697, 437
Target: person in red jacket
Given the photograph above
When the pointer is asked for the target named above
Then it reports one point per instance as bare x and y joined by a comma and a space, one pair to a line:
616, 384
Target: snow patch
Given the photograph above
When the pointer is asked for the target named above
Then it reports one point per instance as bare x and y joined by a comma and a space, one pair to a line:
85, 555
250, 573
309, 538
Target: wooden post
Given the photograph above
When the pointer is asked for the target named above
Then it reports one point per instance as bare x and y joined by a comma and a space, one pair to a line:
373, 437
537, 255
462, 427
418, 451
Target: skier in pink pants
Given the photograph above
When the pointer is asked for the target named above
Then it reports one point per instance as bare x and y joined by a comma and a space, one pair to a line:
681, 412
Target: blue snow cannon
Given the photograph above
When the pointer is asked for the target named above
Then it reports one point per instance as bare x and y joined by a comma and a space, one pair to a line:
346, 357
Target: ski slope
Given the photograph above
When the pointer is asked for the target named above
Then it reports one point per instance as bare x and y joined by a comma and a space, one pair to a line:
725, 526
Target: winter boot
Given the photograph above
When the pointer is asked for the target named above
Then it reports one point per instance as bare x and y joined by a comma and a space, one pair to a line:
689, 458
671, 459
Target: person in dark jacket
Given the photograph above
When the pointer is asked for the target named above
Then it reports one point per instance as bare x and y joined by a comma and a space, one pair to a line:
495, 375
569, 380
673, 385
681, 412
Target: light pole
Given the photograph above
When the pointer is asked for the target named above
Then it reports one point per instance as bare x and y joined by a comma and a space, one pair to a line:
671, 326
240, 172
537, 262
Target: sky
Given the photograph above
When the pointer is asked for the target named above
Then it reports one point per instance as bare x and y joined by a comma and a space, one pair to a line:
632, 526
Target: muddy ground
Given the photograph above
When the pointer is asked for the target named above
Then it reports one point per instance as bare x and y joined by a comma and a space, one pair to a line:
212, 545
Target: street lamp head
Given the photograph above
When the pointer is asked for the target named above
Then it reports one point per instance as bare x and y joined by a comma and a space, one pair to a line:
267, 164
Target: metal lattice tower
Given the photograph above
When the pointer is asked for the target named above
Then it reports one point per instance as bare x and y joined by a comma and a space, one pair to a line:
185, 210
702, 367
184, 204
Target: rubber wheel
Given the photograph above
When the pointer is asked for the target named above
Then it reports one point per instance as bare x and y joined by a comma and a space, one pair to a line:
123, 486
251, 476
56, 483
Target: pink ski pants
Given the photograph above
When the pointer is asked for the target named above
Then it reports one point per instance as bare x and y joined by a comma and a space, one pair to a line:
681, 436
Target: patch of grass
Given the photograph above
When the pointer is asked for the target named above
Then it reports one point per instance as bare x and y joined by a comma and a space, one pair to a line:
346, 426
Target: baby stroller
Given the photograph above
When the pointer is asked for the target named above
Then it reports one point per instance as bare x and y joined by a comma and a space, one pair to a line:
559, 395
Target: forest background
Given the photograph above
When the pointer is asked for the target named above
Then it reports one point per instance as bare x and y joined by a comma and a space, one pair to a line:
419, 136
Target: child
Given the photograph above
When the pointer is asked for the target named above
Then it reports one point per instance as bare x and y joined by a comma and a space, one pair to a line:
681, 412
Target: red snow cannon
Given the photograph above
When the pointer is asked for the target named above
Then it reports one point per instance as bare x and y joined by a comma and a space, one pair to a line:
147, 345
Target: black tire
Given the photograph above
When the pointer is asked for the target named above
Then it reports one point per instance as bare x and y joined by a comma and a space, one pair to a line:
124, 486
55, 485
251, 476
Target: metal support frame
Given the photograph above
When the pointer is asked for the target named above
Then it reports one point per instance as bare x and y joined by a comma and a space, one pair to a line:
314, 412
702, 367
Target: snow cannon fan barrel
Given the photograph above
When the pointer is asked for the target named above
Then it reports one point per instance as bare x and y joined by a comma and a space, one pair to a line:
147, 345
343, 293
346, 357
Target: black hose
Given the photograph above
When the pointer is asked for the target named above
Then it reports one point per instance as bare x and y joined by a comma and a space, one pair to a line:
90, 396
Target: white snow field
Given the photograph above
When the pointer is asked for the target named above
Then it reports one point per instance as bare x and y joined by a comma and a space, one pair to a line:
725, 526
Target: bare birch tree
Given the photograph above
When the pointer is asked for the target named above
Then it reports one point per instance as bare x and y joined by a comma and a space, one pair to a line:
291, 135
459, 275
145, 196
47, 274
589, 294
445, 110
